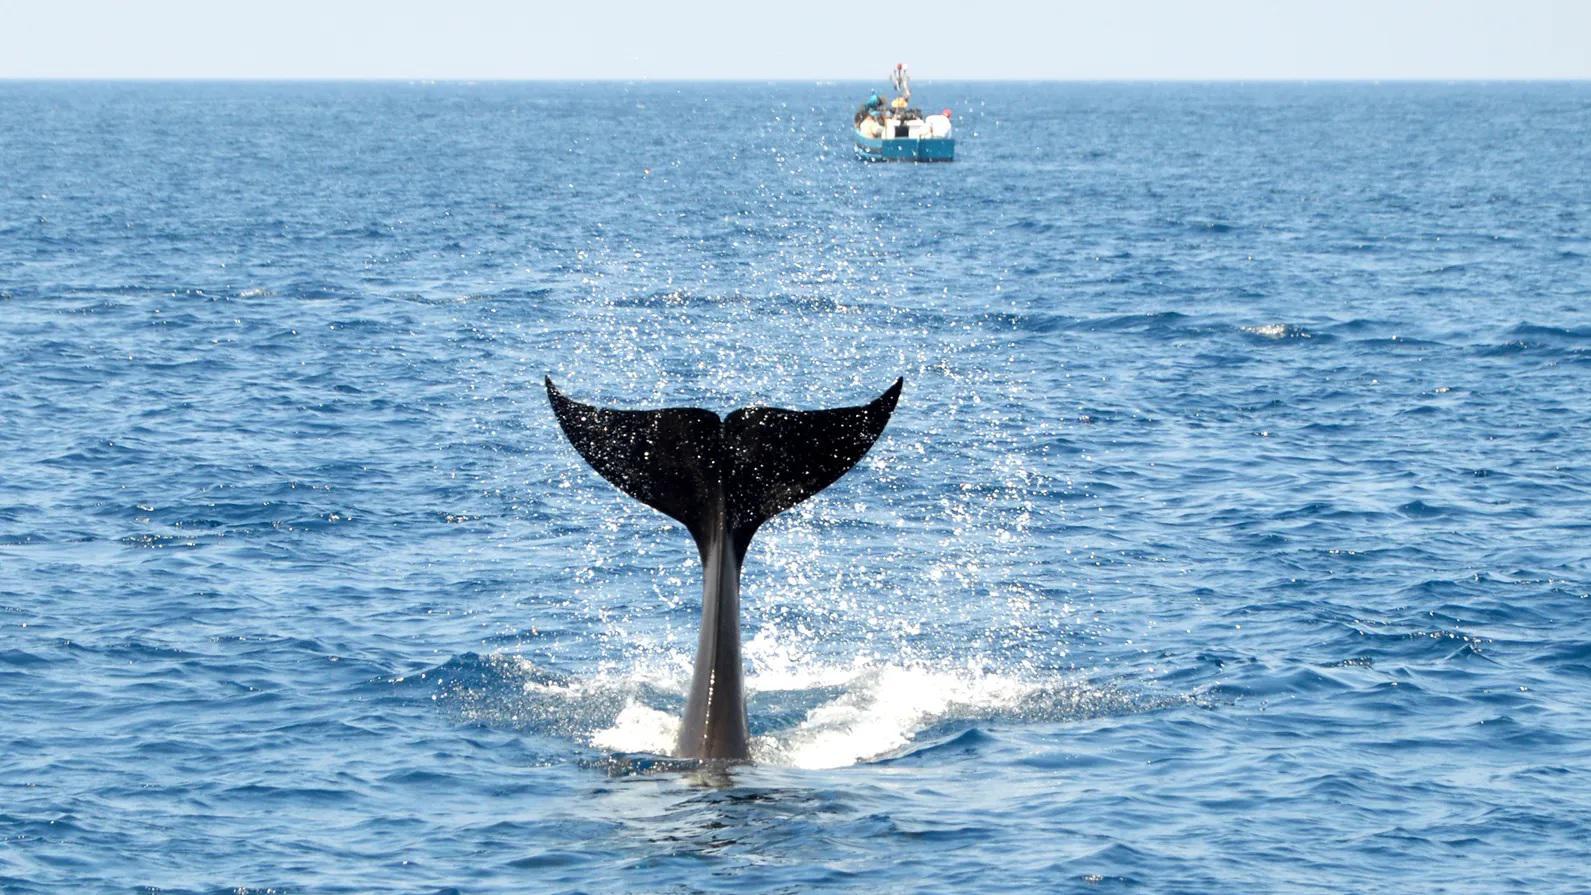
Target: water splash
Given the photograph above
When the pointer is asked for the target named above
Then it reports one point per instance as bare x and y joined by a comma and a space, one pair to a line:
810, 716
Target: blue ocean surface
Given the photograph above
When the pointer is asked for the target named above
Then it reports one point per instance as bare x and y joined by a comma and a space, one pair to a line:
1233, 533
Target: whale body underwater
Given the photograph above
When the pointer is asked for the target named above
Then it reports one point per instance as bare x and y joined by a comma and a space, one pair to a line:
722, 478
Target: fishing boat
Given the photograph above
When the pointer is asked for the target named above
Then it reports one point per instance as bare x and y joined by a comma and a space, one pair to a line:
898, 132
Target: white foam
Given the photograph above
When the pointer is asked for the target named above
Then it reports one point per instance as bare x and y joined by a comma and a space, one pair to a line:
869, 709
1276, 331
638, 728
780, 664
882, 710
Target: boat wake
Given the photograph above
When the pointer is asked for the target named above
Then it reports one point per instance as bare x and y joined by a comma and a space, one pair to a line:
809, 716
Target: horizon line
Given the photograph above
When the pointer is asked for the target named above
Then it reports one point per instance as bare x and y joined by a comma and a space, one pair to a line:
420, 79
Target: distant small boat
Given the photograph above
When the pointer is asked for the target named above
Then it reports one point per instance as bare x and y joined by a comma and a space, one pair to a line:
896, 132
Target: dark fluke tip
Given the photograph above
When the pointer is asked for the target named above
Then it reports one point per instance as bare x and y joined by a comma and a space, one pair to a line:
893, 394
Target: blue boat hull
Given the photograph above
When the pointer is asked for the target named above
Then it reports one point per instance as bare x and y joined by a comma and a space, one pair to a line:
928, 149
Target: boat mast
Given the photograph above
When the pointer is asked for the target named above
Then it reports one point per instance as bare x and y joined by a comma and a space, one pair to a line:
902, 81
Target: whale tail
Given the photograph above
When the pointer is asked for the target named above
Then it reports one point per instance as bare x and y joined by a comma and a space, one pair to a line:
737, 472
723, 478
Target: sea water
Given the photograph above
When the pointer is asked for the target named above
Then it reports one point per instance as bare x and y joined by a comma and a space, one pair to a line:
1233, 533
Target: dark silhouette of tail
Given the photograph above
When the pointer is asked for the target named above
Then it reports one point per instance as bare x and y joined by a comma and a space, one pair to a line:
758, 462
722, 478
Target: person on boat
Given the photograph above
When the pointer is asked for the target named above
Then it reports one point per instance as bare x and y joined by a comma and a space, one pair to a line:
870, 127
871, 107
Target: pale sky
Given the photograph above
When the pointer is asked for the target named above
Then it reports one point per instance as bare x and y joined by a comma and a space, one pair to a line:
803, 39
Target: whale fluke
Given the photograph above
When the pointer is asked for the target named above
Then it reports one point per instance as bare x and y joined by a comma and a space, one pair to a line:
722, 478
